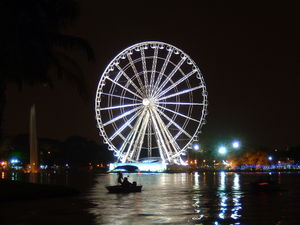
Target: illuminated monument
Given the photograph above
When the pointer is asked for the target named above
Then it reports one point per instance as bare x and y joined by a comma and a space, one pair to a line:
151, 101
33, 141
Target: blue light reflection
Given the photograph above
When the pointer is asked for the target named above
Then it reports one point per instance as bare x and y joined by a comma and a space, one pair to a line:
222, 205
229, 198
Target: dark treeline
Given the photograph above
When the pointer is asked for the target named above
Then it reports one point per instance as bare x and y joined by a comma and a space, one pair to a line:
75, 151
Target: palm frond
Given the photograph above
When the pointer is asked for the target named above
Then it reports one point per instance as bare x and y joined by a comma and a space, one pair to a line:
68, 68
70, 42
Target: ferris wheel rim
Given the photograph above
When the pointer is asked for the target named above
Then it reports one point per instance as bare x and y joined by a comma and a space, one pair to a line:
106, 76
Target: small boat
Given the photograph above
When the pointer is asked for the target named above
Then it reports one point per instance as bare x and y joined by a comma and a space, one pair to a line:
264, 186
124, 189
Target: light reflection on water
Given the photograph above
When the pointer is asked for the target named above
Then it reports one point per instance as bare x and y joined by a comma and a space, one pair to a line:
218, 198
170, 199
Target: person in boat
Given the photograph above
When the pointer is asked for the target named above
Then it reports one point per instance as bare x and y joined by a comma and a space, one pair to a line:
120, 177
126, 183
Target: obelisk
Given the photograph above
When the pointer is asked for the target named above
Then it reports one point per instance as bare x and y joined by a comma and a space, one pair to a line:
33, 143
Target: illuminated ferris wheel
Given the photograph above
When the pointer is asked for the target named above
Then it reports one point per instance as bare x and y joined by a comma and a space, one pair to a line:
151, 101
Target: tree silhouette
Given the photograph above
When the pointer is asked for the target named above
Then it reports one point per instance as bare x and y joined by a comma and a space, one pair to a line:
33, 46
251, 157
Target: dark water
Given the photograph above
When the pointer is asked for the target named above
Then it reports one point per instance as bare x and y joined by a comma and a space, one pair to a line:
199, 198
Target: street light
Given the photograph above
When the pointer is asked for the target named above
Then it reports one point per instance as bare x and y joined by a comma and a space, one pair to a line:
236, 144
14, 161
270, 158
222, 150
196, 146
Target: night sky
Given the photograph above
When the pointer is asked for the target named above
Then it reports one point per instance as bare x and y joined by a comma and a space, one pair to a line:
248, 54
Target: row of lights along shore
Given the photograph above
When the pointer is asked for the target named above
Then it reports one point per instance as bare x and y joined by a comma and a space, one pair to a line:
222, 150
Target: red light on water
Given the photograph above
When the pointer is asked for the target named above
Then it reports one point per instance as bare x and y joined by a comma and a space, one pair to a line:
263, 183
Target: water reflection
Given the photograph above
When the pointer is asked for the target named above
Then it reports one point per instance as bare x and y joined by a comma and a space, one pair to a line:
199, 198
236, 182
182, 198
176, 199
217, 206
159, 203
236, 198
229, 200
42, 178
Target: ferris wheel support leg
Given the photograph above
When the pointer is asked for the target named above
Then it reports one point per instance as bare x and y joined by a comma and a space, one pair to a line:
162, 153
126, 142
163, 131
140, 139
135, 129
158, 139
172, 147
149, 139
163, 149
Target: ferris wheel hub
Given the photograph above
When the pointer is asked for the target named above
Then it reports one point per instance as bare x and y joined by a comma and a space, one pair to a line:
146, 102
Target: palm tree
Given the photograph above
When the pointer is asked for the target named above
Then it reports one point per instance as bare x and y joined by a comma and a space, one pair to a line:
33, 46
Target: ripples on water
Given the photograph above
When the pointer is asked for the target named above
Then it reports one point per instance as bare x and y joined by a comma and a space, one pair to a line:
170, 199
199, 198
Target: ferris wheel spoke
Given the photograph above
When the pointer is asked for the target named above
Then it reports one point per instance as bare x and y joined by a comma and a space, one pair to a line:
169, 140
159, 145
175, 84
129, 80
154, 63
162, 71
170, 76
180, 103
144, 67
119, 106
181, 129
175, 124
122, 97
125, 125
121, 116
124, 88
181, 92
135, 71
180, 114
